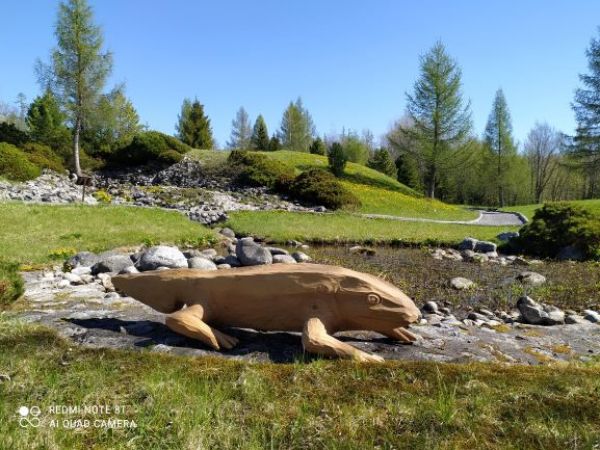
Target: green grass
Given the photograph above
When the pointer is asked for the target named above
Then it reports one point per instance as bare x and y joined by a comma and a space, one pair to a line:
378, 193
529, 210
36, 233
281, 226
11, 283
185, 403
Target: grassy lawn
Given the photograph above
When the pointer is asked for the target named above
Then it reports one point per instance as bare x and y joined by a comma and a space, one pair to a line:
281, 226
185, 403
529, 210
34, 233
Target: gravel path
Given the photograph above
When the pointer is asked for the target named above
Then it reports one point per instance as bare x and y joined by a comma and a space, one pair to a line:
486, 218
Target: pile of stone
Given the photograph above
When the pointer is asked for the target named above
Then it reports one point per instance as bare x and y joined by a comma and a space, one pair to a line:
473, 250
49, 187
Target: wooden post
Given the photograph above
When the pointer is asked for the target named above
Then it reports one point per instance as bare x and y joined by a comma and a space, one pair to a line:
83, 181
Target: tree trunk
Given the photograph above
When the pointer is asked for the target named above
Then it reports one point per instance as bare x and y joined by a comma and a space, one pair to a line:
431, 183
76, 133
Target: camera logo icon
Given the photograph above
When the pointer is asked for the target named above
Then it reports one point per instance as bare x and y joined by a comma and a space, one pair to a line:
29, 416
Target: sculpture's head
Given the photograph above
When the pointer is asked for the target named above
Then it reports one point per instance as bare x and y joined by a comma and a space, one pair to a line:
370, 303
161, 296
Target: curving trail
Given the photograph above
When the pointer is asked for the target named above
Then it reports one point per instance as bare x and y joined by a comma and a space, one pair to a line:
486, 218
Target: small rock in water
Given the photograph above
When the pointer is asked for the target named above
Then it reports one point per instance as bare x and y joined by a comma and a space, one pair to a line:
531, 278
252, 254
460, 283
201, 263
223, 266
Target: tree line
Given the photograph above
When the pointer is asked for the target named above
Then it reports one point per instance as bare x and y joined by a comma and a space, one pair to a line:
432, 148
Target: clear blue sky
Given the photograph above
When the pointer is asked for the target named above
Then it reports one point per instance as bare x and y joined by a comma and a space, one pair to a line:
351, 61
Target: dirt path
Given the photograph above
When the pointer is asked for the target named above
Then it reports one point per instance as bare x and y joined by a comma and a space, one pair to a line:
486, 218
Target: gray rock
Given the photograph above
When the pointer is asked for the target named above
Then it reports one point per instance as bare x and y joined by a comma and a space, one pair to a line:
111, 263
106, 282
73, 278
475, 316
201, 263
223, 266
485, 247
161, 256
555, 315
430, 307
301, 257
192, 253
480, 258
468, 254
531, 278
81, 270
252, 254
129, 269
507, 236
209, 253
570, 253
573, 319
283, 259
535, 314
228, 232
232, 261
277, 251
87, 259
591, 316
468, 244
460, 283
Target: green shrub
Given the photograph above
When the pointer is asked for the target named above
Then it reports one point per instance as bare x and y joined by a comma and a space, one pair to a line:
254, 169
558, 225
318, 147
318, 187
14, 164
151, 147
102, 196
11, 283
337, 159
11, 134
43, 156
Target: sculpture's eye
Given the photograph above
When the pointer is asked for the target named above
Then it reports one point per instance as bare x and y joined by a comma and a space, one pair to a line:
373, 299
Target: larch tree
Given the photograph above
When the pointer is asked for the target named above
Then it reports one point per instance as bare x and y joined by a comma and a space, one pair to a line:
440, 120
260, 135
499, 140
193, 126
79, 67
241, 131
297, 128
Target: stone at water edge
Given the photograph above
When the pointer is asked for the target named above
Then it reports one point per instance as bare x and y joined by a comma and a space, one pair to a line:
531, 278
430, 307
301, 257
283, 259
161, 256
461, 284
252, 254
277, 251
199, 262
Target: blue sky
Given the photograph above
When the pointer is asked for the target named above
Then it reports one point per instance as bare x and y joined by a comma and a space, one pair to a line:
351, 61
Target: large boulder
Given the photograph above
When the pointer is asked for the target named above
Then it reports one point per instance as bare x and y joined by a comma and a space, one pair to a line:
252, 254
468, 244
111, 263
535, 313
161, 256
485, 247
199, 262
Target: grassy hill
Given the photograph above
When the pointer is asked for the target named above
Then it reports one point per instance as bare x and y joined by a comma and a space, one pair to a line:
378, 193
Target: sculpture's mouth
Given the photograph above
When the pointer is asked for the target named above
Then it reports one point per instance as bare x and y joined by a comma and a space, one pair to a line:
134, 286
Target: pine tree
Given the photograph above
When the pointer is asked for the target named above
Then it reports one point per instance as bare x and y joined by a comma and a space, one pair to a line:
297, 128
79, 68
46, 123
260, 135
193, 127
440, 123
382, 162
318, 147
241, 132
498, 138
587, 110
